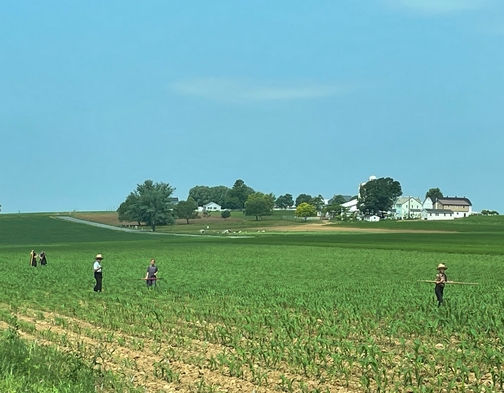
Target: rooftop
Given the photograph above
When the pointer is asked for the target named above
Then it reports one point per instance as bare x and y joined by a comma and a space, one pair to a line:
455, 201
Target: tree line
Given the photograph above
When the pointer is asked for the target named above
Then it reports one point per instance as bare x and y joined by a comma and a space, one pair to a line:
153, 203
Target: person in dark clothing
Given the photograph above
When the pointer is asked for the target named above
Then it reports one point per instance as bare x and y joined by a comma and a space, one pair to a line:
151, 275
97, 269
33, 258
43, 260
441, 280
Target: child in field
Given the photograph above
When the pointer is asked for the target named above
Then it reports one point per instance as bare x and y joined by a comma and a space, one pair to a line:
43, 260
441, 280
33, 258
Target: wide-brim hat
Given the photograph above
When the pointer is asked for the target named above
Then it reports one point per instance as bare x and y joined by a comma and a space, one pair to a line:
99, 256
441, 266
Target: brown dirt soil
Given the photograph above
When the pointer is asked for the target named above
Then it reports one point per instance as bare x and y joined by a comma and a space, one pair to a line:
319, 227
102, 218
111, 219
143, 366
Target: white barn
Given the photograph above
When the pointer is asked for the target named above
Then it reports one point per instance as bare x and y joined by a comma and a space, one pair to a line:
351, 205
446, 208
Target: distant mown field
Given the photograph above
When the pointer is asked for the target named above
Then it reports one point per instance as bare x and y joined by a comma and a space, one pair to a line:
237, 221
286, 218
340, 311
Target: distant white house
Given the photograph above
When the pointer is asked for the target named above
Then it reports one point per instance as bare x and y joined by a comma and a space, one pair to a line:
210, 207
446, 208
407, 207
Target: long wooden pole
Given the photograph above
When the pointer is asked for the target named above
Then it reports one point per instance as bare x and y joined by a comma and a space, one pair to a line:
452, 282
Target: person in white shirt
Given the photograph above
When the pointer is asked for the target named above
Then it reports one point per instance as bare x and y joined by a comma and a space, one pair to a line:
97, 268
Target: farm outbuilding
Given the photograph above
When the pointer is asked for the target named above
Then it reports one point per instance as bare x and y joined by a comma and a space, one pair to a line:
437, 214
458, 207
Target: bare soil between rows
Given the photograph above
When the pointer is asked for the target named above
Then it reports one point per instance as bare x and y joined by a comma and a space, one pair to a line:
142, 366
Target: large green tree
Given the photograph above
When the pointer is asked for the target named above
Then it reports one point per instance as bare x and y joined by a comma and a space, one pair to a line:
284, 201
337, 199
187, 209
434, 193
378, 196
318, 202
303, 198
237, 195
128, 210
306, 210
149, 203
259, 204
333, 210
232, 203
218, 194
204, 194
200, 194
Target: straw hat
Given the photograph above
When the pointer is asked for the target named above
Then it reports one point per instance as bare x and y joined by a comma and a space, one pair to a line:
99, 256
441, 266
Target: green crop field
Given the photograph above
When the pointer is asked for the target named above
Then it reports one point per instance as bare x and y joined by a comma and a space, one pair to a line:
287, 312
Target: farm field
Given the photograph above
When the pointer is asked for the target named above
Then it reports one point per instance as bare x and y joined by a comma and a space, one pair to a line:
237, 221
340, 311
284, 220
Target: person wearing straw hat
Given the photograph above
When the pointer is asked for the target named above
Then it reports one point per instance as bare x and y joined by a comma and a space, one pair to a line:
97, 269
441, 280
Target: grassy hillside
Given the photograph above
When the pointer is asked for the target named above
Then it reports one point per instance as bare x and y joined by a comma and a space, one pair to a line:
468, 224
478, 235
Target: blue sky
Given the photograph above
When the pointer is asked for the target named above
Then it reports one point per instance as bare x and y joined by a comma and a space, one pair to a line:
290, 96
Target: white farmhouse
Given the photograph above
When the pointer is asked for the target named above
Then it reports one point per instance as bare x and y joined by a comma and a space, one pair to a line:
407, 207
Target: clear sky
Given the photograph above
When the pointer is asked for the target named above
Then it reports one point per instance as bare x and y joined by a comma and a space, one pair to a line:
290, 96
